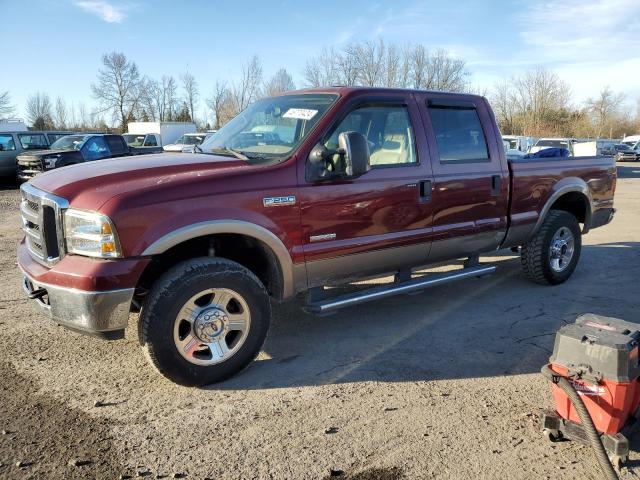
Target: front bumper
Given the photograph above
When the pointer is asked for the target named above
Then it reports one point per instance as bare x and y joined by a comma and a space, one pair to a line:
100, 313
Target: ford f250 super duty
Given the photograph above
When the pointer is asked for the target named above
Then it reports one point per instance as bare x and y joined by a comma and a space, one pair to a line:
300, 191
77, 148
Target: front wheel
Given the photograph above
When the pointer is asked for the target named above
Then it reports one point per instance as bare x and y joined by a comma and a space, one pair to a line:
551, 256
204, 320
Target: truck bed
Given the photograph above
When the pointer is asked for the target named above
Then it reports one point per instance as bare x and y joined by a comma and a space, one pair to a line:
536, 183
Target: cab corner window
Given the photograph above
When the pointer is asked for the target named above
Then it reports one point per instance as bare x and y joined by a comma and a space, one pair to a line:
459, 135
388, 131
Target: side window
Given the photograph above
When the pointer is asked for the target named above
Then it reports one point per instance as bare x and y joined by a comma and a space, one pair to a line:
116, 144
6, 142
388, 130
459, 135
150, 141
33, 141
95, 149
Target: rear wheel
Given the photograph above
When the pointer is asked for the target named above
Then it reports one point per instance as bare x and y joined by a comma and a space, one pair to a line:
204, 321
551, 256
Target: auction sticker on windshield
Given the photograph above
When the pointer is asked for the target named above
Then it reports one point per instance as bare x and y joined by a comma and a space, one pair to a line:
300, 113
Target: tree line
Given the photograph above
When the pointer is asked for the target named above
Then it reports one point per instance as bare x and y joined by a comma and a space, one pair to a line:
536, 103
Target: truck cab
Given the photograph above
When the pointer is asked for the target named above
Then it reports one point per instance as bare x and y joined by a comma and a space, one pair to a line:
299, 192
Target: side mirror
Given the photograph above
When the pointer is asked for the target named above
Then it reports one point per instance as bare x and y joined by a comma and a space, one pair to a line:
353, 161
356, 153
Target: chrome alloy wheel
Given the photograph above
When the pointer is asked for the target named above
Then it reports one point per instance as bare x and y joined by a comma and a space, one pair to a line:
561, 249
212, 326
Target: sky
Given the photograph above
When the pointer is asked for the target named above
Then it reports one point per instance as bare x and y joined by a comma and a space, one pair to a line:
55, 46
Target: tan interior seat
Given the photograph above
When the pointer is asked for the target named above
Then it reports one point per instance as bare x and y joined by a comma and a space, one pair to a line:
394, 150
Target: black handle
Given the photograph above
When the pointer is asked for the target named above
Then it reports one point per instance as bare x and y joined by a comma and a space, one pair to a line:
496, 183
425, 191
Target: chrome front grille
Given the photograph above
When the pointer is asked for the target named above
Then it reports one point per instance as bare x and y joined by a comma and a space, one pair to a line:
42, 224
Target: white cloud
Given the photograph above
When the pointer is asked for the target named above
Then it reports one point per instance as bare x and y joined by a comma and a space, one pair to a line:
106, 11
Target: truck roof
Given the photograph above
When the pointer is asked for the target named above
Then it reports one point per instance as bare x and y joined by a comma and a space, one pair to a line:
346, 90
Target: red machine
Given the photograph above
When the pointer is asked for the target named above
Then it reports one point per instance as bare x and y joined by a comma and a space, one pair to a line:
595, 373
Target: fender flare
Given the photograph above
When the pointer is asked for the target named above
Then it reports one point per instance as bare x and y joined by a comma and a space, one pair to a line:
576, 185
240, 227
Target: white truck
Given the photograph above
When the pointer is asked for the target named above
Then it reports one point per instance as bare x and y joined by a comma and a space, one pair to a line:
165, 133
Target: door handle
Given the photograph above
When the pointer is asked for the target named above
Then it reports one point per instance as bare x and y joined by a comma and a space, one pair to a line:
425, 191
496, 184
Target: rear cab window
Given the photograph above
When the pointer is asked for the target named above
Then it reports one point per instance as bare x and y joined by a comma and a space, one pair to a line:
116, 144
459, 134
33, 141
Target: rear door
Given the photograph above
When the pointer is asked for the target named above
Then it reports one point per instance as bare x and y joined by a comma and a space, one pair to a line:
380, 221
8, 152
471, 178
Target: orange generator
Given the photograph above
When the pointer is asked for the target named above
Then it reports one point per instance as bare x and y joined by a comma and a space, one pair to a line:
594, 374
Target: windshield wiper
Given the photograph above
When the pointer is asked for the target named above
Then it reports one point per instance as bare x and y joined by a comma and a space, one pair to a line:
229, 152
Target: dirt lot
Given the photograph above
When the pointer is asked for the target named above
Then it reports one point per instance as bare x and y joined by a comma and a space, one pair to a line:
439, 385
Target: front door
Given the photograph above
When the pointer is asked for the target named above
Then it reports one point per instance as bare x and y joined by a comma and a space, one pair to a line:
381, 221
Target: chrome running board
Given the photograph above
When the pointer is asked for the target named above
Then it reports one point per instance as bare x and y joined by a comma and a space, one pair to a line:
377, 293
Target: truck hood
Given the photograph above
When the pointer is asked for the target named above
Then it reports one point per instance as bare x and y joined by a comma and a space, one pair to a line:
42, 153
90, 185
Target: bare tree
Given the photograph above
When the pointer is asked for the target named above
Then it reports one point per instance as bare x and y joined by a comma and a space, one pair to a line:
219, 103
603, 109
501, 99
6, 108
171, 102
191, 94
39, 111
323, 69
247, 89
118, 87
369, 59
61, 115
280, 82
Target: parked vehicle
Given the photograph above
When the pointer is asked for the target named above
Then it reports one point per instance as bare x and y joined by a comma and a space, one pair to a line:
74, 149
624, 153
543, 143
169, 132
631, 140
519, 142
354, 183
15, 143
187, 142
142, 139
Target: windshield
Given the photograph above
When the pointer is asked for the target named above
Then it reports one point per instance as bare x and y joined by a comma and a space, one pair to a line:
270, 128
70, 142
552, 143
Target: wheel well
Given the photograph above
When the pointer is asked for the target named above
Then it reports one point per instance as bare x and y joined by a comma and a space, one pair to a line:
249, 252
574, 203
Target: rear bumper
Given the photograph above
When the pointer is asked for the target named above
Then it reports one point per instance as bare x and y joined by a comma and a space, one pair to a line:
104, 313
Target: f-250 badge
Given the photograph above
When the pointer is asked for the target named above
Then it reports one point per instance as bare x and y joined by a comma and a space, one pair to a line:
279, 201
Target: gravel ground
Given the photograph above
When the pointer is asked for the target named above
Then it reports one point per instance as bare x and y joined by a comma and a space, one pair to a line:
444, 384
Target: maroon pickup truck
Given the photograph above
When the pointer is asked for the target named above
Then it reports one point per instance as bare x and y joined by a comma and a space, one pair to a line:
310, 189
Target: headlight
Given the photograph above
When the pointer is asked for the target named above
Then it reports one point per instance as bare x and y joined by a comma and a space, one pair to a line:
91, 234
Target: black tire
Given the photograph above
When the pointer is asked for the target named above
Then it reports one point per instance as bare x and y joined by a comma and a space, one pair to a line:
172, 290
535, 255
